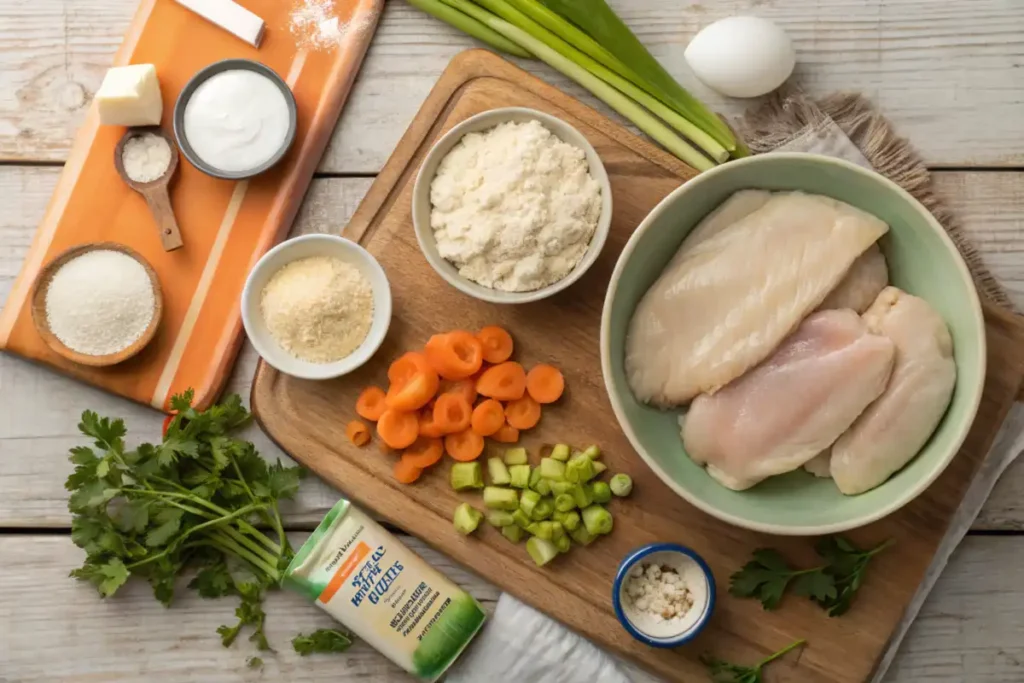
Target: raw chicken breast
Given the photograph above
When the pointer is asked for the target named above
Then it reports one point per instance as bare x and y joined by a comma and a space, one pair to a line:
791, 407
738, 206
821, 464
868, 276
896, 426
725, 304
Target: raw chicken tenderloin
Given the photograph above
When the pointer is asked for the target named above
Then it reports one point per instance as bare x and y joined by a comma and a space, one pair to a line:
724, 305
868, 276
896, 426
784, 412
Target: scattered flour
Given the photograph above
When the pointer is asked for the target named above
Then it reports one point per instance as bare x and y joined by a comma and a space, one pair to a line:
514, 207
315, 25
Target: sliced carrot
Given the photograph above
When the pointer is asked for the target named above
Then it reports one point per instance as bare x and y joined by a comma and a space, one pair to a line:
398, 429
455, 355
428, 427
523, 413
545, 383
370, 404
413, 382
357, 433
466, 387
406, 472
464, 446
507, 434
488, 417
505, 381
497, 344
452, 413
424, 452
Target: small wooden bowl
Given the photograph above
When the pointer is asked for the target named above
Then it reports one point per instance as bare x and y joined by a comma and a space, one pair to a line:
42, 284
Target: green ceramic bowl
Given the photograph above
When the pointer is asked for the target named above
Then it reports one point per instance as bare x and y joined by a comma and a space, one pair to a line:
922, 261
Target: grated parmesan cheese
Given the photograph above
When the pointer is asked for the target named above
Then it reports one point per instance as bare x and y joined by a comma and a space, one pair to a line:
319, 309
659, 591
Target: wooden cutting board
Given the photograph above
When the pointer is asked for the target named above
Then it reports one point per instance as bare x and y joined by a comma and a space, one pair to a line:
308, 419
226, 225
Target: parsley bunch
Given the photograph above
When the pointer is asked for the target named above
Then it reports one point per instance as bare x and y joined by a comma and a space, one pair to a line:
833, 585
190, 504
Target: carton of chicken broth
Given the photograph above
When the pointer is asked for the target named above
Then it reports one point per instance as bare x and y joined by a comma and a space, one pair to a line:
384, 593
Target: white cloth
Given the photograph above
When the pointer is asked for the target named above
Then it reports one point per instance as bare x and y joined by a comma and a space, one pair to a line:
522, 645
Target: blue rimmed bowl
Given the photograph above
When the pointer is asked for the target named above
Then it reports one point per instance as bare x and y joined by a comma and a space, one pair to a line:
694, 572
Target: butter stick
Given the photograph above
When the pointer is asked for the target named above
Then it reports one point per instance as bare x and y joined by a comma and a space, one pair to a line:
231, 17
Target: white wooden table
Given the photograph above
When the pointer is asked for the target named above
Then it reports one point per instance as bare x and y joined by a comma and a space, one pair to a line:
949, 74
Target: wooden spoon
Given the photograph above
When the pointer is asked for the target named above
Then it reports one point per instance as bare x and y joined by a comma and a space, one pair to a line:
154, 191
42, 323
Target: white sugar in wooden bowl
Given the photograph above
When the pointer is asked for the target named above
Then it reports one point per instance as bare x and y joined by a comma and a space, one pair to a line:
137, 339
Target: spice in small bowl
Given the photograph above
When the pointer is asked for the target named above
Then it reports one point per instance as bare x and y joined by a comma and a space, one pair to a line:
97, 304
317, 306
663, 594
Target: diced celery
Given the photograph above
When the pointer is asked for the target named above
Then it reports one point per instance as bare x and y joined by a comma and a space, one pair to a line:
600, 492
499, 518
621, 485
498, 498
466, 519
544, 508
597, 520
467, 475
599, 467
581, 493
569, 520
516, 456
580, 470
498, 473
519, 476
541, 551
521, 519
592, 452
560, 487
581, 535
565, 502
512, 533
528, 501
543, 530
543, 487
534, 529
560, 452
552, 469
557, 531
564, 544
534, 477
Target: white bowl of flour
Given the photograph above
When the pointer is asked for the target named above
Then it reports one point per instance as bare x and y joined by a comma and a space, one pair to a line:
512, 205
316, 306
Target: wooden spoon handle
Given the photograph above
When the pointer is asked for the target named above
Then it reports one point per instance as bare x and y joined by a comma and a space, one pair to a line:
160, 205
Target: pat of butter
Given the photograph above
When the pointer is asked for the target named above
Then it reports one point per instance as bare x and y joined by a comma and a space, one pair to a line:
130, 96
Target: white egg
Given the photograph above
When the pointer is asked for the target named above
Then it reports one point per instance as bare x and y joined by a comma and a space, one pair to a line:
742, 56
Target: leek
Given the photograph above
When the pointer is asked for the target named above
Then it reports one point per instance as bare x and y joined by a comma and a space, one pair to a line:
601, 23
615, 99
517, 19
467, 24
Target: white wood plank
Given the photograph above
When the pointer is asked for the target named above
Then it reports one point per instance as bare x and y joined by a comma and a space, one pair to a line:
132, 638
39, 409
948, 73
968, 631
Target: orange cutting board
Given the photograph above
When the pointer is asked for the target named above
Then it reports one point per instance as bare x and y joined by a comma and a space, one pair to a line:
226, 225
308, 420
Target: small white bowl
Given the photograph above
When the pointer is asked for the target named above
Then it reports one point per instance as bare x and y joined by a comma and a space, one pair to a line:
421, 206
696, 574
305, 247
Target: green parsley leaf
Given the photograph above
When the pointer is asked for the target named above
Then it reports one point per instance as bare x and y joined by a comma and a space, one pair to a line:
254, 663
107, 576
322, 641
722, 671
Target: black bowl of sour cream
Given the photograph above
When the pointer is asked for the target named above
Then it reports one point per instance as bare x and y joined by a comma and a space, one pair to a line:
235, 119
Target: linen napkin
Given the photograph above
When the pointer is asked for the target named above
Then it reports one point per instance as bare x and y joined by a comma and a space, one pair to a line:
521, 644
